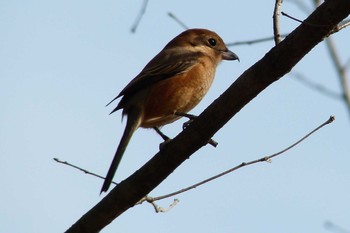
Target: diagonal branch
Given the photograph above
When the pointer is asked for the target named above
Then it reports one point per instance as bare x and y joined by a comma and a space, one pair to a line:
276, 63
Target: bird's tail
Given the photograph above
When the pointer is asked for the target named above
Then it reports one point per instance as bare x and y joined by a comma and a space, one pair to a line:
133, 122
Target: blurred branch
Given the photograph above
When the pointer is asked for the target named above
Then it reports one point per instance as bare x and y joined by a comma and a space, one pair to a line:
341, 72
140, 15
335, 228
340, 69
315, 86
276, 25
347, 64
250, 42
174, 17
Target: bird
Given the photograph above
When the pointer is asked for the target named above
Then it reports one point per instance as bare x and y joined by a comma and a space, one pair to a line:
170, 85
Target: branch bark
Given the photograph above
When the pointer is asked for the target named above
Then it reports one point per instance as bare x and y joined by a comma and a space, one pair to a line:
276, 63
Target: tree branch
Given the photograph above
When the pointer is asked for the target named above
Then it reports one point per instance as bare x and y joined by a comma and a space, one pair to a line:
276, 24
244, 164
276, 63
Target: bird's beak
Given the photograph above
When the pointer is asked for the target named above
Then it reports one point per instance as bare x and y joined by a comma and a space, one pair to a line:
229, 55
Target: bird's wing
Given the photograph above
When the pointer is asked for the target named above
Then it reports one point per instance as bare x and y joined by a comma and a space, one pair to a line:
161, 67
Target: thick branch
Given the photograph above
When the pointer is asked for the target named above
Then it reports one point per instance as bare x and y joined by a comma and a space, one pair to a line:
276, 63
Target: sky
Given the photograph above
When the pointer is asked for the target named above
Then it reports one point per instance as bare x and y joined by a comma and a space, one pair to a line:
62, 61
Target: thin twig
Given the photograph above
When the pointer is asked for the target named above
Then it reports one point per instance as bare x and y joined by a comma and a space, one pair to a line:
157, 208
343, 25
81, 169
302, 22
330, 120
265, 39
171, 15
244, 164
291, 17
250, 42
276, 25
139, 17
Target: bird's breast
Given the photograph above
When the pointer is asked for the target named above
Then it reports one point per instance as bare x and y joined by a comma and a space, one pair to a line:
178, 94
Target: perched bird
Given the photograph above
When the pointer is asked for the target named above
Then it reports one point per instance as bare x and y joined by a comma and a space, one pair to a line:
174, 81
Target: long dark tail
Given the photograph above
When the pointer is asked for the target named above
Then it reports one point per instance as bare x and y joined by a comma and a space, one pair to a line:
133, 122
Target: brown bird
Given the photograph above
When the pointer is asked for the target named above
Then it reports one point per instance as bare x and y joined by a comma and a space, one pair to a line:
171, 84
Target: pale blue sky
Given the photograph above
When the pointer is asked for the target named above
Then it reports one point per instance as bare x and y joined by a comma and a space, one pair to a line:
62, 61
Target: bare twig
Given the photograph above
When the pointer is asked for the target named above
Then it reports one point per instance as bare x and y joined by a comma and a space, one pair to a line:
276, 26
158, 209
335, 29
316, 3
330, 120
250, 42
139, 17
81, 169
315, 86
344, 24
302, 22
244, 164
171, 15
291, 17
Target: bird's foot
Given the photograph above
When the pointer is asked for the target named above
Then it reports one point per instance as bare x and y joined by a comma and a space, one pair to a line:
191, 117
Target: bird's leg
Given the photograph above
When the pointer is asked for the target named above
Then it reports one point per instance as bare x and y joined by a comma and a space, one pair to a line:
165, 138
191, 117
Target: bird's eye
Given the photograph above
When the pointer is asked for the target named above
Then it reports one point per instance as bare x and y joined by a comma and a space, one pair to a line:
212, 42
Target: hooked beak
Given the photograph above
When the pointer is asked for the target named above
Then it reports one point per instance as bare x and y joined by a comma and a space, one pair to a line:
229, 55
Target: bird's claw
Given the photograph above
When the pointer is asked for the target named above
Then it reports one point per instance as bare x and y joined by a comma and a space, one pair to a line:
191, 117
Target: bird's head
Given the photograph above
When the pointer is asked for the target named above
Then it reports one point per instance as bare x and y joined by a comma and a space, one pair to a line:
203, 41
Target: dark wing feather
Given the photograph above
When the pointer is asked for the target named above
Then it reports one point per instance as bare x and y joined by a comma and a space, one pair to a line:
161, 67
